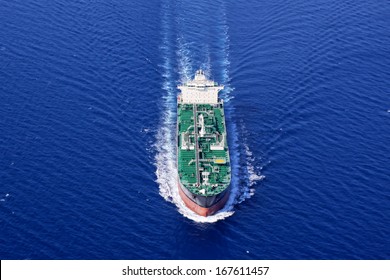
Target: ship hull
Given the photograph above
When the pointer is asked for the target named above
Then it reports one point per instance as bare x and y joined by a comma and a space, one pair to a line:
201, 205
203, 161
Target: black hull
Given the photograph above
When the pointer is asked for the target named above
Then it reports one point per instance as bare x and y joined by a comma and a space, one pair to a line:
204, 201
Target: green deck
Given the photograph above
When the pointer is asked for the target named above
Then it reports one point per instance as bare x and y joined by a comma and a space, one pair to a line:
208, 171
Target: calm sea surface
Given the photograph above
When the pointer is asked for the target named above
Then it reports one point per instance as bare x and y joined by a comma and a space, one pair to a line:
88, 115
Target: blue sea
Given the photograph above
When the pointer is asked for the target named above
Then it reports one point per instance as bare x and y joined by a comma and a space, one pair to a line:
88, 118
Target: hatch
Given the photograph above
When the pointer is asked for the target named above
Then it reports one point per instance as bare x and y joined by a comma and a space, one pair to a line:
220, 161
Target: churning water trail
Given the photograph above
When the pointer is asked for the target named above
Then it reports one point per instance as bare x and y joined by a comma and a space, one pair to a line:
179, 61
241, 156
165, 156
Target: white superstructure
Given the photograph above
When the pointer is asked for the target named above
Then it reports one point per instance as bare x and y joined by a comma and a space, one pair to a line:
200, 90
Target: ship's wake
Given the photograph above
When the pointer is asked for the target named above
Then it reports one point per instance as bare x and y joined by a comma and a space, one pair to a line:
179, 66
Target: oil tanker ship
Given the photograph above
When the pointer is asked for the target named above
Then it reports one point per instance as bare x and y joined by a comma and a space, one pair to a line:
203, 161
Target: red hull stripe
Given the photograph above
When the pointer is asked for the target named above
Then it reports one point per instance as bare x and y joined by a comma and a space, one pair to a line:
202, 211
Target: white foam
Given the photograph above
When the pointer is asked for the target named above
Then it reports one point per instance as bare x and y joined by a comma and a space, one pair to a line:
184, 60
253, 176
3, 199
206, 65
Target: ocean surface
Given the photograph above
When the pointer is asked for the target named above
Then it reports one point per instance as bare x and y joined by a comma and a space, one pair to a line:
88, 114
